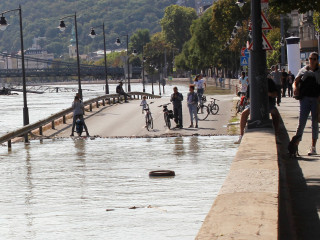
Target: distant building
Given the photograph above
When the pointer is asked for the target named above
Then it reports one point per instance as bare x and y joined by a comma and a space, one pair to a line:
203, 5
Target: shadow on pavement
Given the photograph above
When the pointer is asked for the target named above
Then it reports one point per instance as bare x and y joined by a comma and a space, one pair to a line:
298, 216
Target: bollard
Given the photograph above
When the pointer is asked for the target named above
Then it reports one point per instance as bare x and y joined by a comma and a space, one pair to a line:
103, 102
9, 144
97, 104
40, 130
64, 121
52, 124
90, 107
114, 100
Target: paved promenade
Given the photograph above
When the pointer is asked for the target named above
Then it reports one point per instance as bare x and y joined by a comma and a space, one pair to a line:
127, 120
303, 174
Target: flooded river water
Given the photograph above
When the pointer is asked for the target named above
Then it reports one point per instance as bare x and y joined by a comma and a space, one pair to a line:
100, 189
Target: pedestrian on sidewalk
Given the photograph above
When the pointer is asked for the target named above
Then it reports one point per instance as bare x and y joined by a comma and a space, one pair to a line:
276, 77
272, 94
78, 111
284, 82
192, 101
176, 99
290, 82
306, 87
120, 91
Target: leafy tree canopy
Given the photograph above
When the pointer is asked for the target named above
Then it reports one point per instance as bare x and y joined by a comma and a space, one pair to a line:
176, 23
41, 19
286, 6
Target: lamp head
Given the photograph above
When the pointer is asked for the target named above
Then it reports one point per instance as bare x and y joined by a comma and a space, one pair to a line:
240, 3
118, 42
62, 26
3, 23
134, 52
92, 33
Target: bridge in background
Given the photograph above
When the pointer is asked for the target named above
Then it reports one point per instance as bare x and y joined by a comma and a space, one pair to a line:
61, 69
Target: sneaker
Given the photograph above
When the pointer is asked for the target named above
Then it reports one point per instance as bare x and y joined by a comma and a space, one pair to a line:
196, 126
71, 135
191, 126
312, 151
239, 140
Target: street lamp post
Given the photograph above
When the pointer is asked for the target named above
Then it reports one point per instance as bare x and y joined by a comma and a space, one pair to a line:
92, 35
3, 26
118, 42
62, 27
143, 80
259, 109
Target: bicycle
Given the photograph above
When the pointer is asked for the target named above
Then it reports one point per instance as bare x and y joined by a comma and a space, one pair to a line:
148, 117
167, 114
242, 103
202, 110
213, 106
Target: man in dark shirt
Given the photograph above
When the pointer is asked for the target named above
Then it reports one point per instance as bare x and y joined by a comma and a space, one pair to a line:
290, 82
284, 82
120, 91
176, 99
306, 87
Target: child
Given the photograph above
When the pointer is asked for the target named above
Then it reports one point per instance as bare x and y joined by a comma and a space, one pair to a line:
143, 103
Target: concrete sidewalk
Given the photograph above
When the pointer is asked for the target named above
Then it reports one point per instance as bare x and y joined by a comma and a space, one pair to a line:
302, 174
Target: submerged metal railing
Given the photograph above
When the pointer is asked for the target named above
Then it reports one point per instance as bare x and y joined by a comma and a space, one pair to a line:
109, 98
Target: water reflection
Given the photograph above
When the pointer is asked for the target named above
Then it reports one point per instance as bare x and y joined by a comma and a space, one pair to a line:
29, 195
194, 145
179, 146
80, 147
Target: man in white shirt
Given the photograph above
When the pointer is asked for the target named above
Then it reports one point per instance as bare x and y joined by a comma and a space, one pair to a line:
201, 85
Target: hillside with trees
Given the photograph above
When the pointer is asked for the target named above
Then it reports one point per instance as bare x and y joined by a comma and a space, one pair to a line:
41, 19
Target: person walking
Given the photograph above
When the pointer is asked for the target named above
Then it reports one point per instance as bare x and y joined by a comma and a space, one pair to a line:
78, 111
284, 82
306, 87
290, 82
244, 81
192, 101
276, 77
120, 91
176, 99
201, 85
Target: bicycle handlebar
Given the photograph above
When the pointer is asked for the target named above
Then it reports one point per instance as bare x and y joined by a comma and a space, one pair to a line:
164, 105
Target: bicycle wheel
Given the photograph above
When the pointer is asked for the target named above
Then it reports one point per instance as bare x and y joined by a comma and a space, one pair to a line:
151, 122
168, 122
203, 112
238, 106
147, 122
214, 109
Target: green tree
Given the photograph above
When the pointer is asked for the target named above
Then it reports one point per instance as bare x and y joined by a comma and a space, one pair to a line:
140, 38
176, 24
286, 6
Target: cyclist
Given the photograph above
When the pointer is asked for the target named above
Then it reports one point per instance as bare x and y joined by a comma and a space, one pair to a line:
201, 85
143, 103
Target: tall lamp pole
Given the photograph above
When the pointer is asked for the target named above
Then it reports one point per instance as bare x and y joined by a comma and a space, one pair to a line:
3, 26
118, 42
143, 80
93, 35
62, 27
259, 113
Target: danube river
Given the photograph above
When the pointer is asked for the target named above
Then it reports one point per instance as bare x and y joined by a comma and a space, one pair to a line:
100, 189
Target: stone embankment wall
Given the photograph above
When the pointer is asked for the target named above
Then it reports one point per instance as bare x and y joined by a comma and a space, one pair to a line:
247, 204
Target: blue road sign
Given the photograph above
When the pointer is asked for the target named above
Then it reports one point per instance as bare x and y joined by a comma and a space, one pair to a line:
244, 61
246, 52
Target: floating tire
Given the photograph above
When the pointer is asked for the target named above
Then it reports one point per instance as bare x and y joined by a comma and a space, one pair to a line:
162, 173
